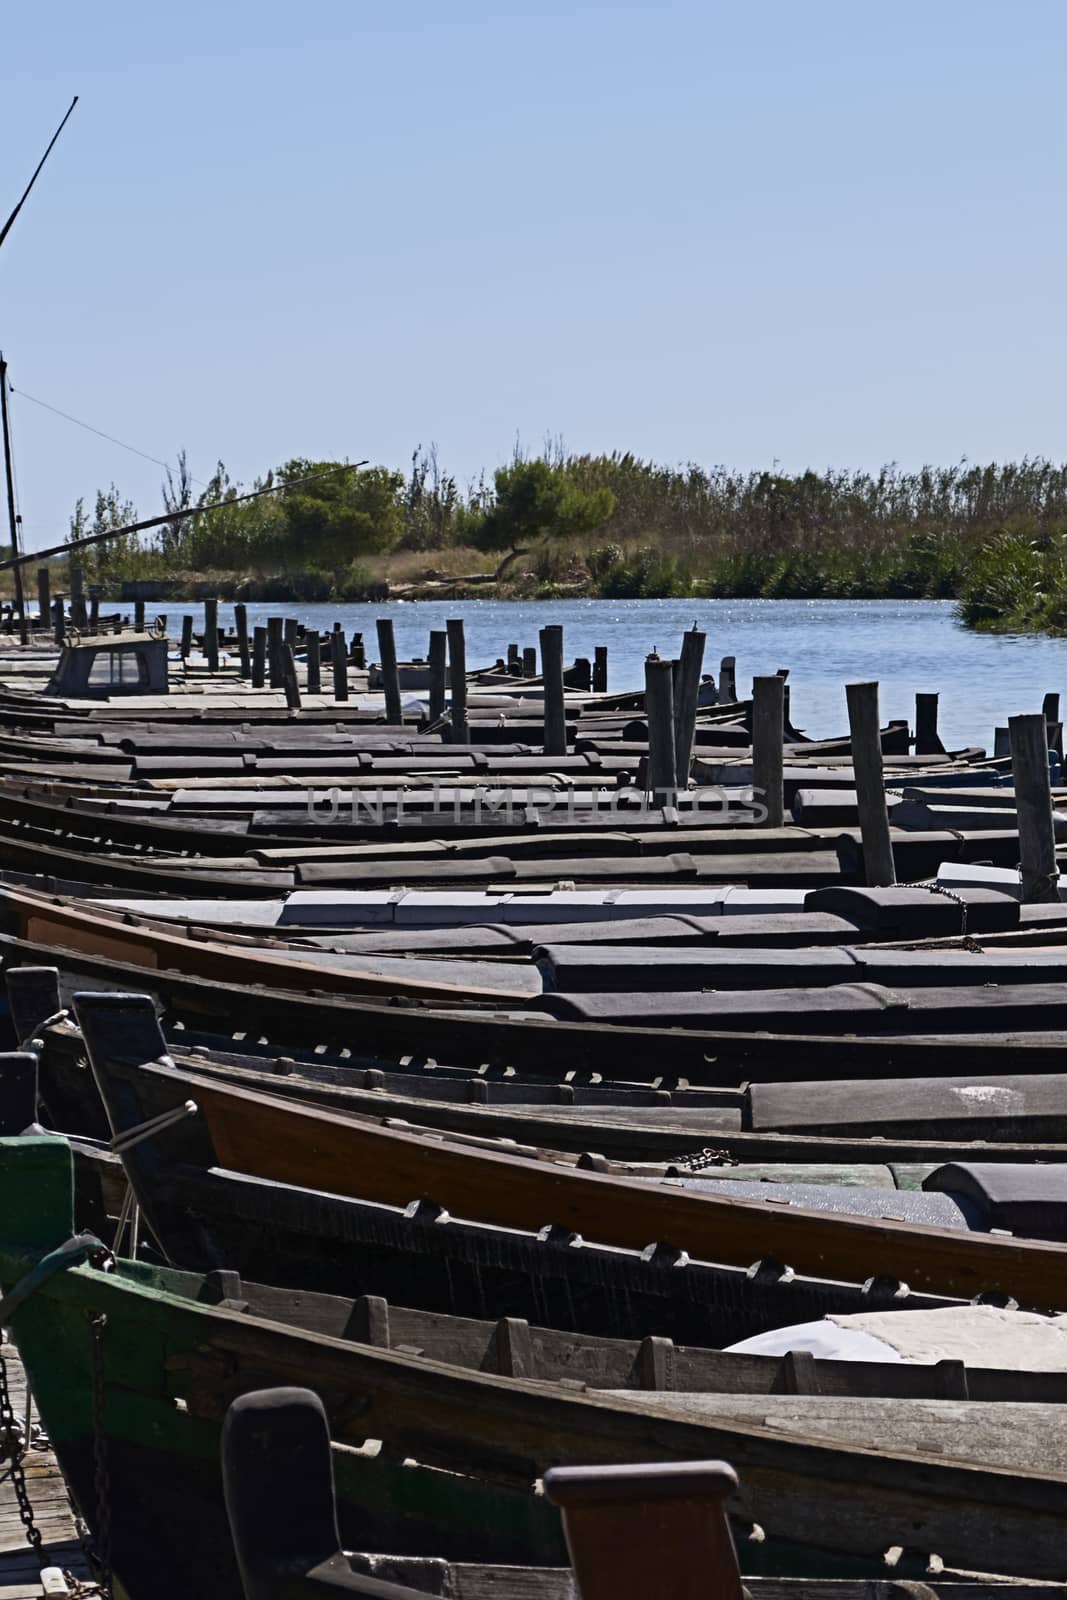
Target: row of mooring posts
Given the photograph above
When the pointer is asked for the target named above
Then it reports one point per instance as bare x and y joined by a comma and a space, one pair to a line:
1031, 743
672, 693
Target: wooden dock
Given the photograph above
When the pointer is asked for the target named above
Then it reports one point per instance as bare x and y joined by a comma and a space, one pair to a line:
20, 1572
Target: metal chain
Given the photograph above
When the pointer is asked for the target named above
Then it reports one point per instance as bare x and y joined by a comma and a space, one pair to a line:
100, 1547
698, 1160
13, 1448
968, 940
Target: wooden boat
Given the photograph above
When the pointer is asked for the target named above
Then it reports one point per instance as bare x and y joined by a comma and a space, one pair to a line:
631, 1531
459, 1449
773, 1132
294, 1143
469, 1037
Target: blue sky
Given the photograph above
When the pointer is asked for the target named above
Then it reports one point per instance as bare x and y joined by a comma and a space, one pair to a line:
818, 232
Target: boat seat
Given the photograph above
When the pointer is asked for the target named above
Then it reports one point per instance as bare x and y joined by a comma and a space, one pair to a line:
1026, 1200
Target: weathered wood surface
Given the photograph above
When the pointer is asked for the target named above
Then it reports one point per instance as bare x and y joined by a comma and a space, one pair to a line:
708, 1056
512, 1347
20, 1573
291, 1143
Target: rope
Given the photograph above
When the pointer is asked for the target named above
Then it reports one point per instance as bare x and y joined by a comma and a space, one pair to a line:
71, 1254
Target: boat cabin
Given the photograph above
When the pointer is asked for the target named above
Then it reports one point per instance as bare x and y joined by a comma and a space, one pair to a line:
97, 669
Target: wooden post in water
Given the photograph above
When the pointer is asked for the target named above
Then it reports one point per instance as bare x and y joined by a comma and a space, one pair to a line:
339, 657
275, 639
77, 593
390, 672
94, 611
138, 611
529, 662
211, 634
768, 733
457, 678
659, 711
1033, 803
1001, 743
187, 637
438, 661
727, 680
555, 743
240, 618
290, 631
1051, 711
44, 596
600, 669
927, 740
58, 620
358, 652
514, 661
686, 693
313, 646
878, 865
259, 657
289, 683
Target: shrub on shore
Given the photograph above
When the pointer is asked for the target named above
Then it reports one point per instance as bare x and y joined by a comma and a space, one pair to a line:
994, 537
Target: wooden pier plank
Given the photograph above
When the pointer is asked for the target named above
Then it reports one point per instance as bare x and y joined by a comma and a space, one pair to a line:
20, 1577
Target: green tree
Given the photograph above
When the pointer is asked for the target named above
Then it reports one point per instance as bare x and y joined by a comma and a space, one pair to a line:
535, 500
351, 513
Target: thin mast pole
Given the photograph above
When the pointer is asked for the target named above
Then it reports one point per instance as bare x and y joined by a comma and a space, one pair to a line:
9, 224
12, 519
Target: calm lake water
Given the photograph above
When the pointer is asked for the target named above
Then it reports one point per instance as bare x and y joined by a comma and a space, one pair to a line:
907, 645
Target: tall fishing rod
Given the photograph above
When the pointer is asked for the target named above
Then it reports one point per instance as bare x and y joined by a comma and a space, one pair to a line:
9, 224
173, 516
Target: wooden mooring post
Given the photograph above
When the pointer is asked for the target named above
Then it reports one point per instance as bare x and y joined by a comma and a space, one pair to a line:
259, 657
58, 619
1050, 710
1033, 805
313, 646
275, 640
187, 637
389, 670
339, 660
659, 710
600, 669
529, 661
289, 683
77, 594
878, 865
211, 634
438, 663
457, 679
514, 660
727, 680
240, 620
44, 596
768, 733
927, 740
686, 693
138, 611
555, 709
